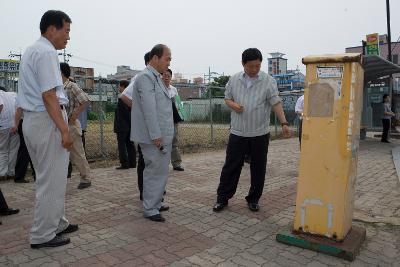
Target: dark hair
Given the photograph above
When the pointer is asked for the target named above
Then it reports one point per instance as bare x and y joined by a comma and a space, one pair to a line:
170, 71
384, 98
157, 50
65, 69
251, 54
147, 58
53, 18
3, 89
123, 83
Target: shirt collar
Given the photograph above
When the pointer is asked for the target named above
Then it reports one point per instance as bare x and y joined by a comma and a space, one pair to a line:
245, 76
44, 40
154, 71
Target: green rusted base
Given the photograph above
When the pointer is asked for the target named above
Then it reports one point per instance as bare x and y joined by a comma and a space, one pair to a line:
347, 249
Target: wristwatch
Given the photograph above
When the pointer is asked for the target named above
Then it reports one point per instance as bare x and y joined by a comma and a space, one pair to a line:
285, 123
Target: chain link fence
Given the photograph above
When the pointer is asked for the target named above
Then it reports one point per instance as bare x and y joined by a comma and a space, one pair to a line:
206, 119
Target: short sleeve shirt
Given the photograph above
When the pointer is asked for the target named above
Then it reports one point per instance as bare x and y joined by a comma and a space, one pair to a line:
39, 72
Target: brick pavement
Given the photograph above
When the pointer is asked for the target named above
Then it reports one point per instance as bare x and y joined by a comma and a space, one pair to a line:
114, 233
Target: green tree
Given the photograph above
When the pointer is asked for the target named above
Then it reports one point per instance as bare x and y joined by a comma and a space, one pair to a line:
217, 86
220, 81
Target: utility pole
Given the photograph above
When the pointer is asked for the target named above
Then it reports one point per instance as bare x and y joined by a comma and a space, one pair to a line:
388, 31
65, 55
15, 55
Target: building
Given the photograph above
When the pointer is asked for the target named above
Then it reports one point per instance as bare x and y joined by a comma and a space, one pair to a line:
374, 90
277, 64
287, 80
198, 80
292, 80
123, 73
84, 77
9, 70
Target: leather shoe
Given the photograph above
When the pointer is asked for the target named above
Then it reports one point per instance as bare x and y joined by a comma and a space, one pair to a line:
70, 229
9, 211
156, 218
179, 168
164, 208
21, 181
122, 168
219, 206
253, 206
84, 185
55, 242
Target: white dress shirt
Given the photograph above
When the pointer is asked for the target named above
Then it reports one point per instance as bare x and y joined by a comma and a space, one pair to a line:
7, 115
39, 72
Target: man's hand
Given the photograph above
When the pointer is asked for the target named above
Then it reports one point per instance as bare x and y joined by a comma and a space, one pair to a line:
237, 108
72, 119
158, 142
66, 140
14, 130
286, 131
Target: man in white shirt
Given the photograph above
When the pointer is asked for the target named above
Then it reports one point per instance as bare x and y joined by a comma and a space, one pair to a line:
9, 141
176, 159
42, 99
299, 109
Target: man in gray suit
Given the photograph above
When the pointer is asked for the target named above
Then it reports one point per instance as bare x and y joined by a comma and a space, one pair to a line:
153, 129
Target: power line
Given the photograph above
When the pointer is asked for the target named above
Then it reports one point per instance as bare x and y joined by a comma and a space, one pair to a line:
95, 62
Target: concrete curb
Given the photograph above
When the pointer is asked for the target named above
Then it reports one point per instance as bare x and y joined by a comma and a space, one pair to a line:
396, 160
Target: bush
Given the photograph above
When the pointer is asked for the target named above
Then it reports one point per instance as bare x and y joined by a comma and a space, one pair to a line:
93, 116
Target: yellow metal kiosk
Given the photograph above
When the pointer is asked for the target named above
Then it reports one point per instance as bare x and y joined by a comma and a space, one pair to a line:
328, 161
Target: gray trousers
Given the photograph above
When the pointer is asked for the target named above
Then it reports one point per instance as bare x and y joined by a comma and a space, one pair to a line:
175, 155
155, 177
9, 144
50, 161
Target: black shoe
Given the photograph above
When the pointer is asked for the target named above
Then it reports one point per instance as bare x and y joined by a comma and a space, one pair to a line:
55, 242
219, 206
179, 168
385, 141
156, 218
70, 229
132, 166
9, 211
122, 168
21, 181
164, 208
84, 185
253, 206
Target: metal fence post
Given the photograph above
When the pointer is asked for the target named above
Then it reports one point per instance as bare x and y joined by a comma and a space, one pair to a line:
101, 117
211, 117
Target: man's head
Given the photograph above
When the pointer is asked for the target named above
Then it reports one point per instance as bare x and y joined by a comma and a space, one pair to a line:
251, 61
166, 76
55, 27
146, 58
122, 85
160, 57
65, 71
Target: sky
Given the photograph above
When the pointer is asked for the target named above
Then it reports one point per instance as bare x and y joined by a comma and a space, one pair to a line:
201, 34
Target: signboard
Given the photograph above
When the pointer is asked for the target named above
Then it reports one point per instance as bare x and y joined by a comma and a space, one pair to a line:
329, 72
8, 65
372, 44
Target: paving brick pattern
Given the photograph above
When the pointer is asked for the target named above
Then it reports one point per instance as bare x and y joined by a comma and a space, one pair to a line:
114, 233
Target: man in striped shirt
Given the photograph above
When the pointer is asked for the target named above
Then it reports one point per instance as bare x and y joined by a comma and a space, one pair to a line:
251, 94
